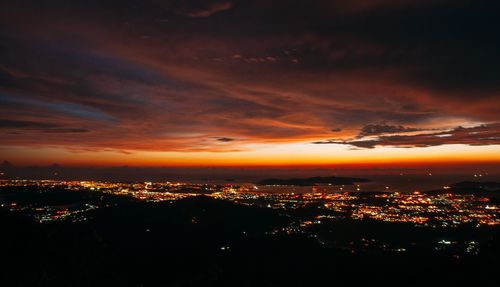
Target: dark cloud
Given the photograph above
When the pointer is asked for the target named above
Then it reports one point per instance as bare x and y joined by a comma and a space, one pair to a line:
67, 130
39, 126
475, 136
25, 124
378, 129
225, 139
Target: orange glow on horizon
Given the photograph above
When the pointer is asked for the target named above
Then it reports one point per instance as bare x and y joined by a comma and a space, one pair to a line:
301, 154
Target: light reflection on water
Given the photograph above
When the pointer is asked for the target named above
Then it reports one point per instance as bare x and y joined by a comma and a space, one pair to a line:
390, 183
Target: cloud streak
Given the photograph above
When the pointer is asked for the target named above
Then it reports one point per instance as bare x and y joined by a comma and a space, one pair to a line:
205, 10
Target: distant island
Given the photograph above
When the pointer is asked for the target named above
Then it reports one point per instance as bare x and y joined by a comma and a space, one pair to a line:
489, 189
313, 181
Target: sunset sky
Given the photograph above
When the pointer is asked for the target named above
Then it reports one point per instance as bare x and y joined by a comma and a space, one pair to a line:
257, 83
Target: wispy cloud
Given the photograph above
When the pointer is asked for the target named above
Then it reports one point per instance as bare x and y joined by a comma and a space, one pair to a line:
207, 11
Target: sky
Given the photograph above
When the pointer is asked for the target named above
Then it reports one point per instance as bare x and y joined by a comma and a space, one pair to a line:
249, 83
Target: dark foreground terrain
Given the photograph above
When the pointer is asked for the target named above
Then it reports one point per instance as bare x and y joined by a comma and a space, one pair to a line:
200, 241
